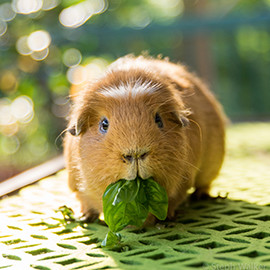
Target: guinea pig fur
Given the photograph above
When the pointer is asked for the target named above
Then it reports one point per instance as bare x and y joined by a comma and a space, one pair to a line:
144, 117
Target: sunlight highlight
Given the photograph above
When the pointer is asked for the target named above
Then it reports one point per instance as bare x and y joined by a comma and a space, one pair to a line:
3, 28
22, 46
22, 109
50, 4
15, 114
26, 6
81, 75
76, 15
72, 57
40, 55
39, 40
36, 45
6, 12
169, 8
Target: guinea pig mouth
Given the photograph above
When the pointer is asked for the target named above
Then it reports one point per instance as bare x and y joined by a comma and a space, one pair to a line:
138, 177
145, 178
143, 173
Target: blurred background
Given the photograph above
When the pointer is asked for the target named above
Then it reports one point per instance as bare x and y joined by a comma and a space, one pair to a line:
48, 45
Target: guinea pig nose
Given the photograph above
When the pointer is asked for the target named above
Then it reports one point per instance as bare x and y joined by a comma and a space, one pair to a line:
134, 156
127, 158
143, 155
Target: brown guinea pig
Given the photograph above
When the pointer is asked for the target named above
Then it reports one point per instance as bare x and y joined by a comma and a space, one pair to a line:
149, 118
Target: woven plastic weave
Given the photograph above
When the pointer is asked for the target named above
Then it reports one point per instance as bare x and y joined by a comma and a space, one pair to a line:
221, 233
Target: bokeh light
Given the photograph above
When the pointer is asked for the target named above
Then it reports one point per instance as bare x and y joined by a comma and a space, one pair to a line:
39, 40
10, 145
36, 45
8, 81
3, 27
6, 12
26, 6
169, 8
95, 68
22, 109
8, 123
72, 57
76, 15
14, 113
22, 46
140, 18
82, 75
40, 55
27, 64
60, 107
89, 72
6, 117
76, 75
50, 4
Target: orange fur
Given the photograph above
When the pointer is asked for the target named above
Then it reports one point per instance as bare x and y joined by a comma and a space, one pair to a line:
129, 95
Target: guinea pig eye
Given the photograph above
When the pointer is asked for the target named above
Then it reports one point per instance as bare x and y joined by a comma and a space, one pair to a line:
104, 125
158, 121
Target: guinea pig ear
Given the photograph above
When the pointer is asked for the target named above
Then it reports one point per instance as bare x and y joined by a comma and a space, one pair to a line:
180, 119
84, 120
78, 127
184, 121
74, 130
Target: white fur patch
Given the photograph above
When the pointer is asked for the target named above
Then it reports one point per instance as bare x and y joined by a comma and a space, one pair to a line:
130, 89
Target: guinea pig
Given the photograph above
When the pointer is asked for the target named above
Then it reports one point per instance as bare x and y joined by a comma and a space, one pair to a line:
144, 117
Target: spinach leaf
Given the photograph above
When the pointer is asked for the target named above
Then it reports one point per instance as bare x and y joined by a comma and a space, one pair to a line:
111, 239
157, 198
111, 191
137, 210
122, 206
127, 202
127, 192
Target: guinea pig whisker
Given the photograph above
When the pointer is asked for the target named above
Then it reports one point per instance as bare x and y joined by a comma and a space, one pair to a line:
199, 127
190, 164
174, 154
57, 138
168, 131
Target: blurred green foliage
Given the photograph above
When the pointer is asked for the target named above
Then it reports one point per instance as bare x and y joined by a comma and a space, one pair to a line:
48, 45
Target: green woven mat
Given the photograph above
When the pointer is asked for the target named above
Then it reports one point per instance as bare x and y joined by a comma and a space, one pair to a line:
231, 233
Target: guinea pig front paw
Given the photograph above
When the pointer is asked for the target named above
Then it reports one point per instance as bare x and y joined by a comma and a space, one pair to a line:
200, 194
90, 216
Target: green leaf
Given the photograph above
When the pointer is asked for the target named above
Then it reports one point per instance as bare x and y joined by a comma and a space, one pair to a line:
111, 239
67, 213
157, 198
114, 216
120, 209
113, 213
136, 211
127, 192
110, 193
127, 202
